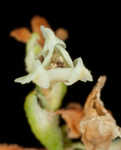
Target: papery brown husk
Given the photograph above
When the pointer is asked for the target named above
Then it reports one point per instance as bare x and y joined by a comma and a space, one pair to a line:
98, 127
93, 123
72, 116
23, 34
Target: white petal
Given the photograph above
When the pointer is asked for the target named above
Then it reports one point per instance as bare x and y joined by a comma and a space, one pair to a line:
75, 74
59, 74
50, 43
85, 75
70, 75
25, 79
65, 55
41, 78
79, 72
49, 35
48, 57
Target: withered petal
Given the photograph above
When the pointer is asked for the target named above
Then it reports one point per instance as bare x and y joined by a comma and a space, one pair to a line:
72, 117
74, 105
21, 34
36, 22
62, 33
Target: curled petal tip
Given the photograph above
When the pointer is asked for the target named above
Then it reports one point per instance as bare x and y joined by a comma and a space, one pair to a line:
86, 75
89, 78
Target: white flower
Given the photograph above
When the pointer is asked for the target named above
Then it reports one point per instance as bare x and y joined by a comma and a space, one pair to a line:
43, 73
53, 43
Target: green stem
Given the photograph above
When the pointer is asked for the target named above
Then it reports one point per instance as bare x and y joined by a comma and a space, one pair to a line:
43, 124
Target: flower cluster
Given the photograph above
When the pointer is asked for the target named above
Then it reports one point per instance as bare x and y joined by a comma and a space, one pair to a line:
52, 63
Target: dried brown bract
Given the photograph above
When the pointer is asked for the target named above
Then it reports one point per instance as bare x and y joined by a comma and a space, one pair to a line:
61, 33
74, 105
21, 34
72, 116
36, 23
97, 127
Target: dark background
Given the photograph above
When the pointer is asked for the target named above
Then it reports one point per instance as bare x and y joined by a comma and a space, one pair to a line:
93, 35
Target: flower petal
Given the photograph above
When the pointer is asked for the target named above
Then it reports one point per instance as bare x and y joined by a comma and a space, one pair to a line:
51, 41
69, 75
65, 55
38, 76
49, 35
25, 79
41, 79
79, 72
59, 74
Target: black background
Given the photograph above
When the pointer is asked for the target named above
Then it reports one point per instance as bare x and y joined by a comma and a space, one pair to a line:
93, 35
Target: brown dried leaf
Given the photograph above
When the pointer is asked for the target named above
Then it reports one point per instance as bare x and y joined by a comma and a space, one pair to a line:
36, 22
97, 127
98, 131
93, 102
72, 117
61, 33
21, 34
74, 105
